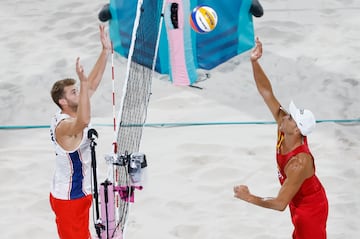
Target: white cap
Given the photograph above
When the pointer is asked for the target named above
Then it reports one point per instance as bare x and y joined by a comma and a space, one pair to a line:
305, 119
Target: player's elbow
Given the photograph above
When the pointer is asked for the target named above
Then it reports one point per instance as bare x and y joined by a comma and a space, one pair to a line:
82, 122
281, 206
85, 122
266, 93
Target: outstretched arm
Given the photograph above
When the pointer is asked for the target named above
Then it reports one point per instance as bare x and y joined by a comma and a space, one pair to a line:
69, 131
263, 84
97, 72
299, 168
83, 111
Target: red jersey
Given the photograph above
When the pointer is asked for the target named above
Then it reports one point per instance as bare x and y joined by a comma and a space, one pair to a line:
309, 206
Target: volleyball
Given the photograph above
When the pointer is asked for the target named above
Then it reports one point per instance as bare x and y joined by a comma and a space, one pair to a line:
203, 19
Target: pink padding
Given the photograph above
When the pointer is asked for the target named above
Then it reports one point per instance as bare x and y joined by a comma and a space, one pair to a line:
177, 51
118, 235
110, 219
125, 194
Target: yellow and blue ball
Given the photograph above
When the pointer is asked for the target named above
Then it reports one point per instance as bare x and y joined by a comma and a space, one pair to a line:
203, 19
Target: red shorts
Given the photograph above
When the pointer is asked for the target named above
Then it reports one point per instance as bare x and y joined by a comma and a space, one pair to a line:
72, 217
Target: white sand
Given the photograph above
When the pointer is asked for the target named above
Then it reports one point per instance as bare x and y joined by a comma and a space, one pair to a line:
311, 56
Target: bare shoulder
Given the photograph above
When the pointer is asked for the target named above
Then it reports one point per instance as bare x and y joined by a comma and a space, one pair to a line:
66, 136
64, 128
300, 165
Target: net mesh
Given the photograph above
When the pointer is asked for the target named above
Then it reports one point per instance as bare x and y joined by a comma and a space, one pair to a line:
136, 95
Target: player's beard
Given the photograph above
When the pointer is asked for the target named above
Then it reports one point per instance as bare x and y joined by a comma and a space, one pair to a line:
72, 105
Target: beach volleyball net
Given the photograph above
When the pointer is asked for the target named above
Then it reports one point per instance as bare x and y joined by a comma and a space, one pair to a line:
117, 192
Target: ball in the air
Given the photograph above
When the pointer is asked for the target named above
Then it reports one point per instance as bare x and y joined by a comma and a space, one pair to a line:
203, 19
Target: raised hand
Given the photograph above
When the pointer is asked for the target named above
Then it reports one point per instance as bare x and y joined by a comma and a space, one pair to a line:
104, 37
256, 53
80, 70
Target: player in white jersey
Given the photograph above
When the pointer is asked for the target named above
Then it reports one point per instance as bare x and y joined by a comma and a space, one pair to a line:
70, 195
72, 168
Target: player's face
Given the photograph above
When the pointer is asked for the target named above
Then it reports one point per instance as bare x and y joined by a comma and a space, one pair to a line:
72, 96
288, 124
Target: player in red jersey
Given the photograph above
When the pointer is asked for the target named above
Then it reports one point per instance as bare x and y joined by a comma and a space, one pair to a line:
300, 187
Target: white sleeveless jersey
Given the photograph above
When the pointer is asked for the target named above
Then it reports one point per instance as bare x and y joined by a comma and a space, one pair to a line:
72, 177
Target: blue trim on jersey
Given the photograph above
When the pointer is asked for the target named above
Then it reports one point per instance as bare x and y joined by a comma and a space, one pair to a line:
76, 190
